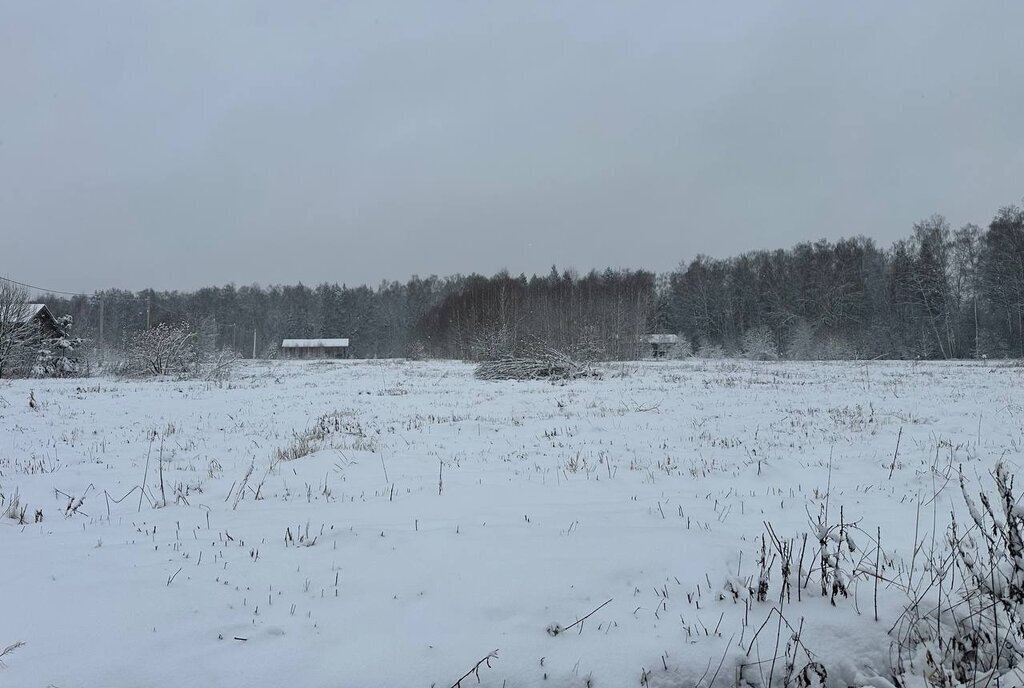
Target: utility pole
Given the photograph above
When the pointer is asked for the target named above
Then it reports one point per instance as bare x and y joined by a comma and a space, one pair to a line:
254, 343
101, 323
147, 312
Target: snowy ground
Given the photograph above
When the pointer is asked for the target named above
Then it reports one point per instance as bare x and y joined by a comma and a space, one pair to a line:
354, 567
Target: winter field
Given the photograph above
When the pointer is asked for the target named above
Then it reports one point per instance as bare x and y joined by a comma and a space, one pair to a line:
392, 523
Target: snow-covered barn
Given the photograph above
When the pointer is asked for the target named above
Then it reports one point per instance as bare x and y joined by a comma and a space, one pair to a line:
314, 348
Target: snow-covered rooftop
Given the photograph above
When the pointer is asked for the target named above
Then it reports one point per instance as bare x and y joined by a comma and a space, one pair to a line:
662, 339
28, 311
314, 343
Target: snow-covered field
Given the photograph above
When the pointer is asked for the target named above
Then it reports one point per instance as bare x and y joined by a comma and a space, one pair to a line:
440, 518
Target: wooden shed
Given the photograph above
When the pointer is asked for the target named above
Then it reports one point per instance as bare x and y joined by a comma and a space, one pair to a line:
661, 345
314, 348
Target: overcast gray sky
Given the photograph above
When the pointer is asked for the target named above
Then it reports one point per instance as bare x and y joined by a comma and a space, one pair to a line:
189, 143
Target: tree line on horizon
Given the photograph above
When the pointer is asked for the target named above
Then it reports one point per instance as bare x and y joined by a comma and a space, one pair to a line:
939, 293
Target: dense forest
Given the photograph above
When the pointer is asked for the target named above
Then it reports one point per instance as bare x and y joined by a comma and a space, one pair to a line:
940, 293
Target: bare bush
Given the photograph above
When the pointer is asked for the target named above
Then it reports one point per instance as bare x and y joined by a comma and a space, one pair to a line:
709, 350
217, 365
493, 344
804, 345
162, 350
177, 350
834, 348
759, 344
417, 351
800, 346
975, 633
325, 432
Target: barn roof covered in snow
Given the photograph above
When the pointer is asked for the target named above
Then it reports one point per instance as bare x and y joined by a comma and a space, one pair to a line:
314, 343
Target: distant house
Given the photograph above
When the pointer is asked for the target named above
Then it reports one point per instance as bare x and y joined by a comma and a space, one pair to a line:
38, 314
314, 348
31, 339
660, 345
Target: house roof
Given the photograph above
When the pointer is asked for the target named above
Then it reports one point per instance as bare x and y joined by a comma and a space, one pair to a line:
314, 343
662, 339
29, 311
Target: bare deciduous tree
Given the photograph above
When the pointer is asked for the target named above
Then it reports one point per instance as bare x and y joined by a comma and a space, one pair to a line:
18, 335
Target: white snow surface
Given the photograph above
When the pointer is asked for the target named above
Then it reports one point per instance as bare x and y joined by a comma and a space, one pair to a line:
649, 488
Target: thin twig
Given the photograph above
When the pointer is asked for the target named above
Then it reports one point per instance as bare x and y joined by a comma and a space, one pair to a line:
580, 621
475, 671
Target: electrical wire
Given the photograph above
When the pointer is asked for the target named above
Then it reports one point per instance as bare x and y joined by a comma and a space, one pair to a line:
69, 293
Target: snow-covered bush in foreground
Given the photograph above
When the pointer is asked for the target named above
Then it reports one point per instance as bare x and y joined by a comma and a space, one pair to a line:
964, 624
962, 618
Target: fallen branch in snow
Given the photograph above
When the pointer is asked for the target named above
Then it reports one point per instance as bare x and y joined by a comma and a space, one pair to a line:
556, 629
475, 671
7, 651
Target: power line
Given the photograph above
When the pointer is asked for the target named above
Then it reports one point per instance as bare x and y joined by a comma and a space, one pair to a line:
69, 293
42, 289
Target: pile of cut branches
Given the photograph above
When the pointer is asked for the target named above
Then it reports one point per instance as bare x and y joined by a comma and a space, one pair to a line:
542, 364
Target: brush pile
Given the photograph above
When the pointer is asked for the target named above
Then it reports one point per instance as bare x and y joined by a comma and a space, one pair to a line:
541, 364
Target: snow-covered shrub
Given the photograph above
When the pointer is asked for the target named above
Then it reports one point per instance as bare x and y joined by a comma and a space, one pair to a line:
211, 362
800, 346
270, 351
417, 351
161, 350
759, 344
327, 431
835, 349
974, 633
492, 344
822, 566
710, 350
177, 350
588, 348
217, 364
